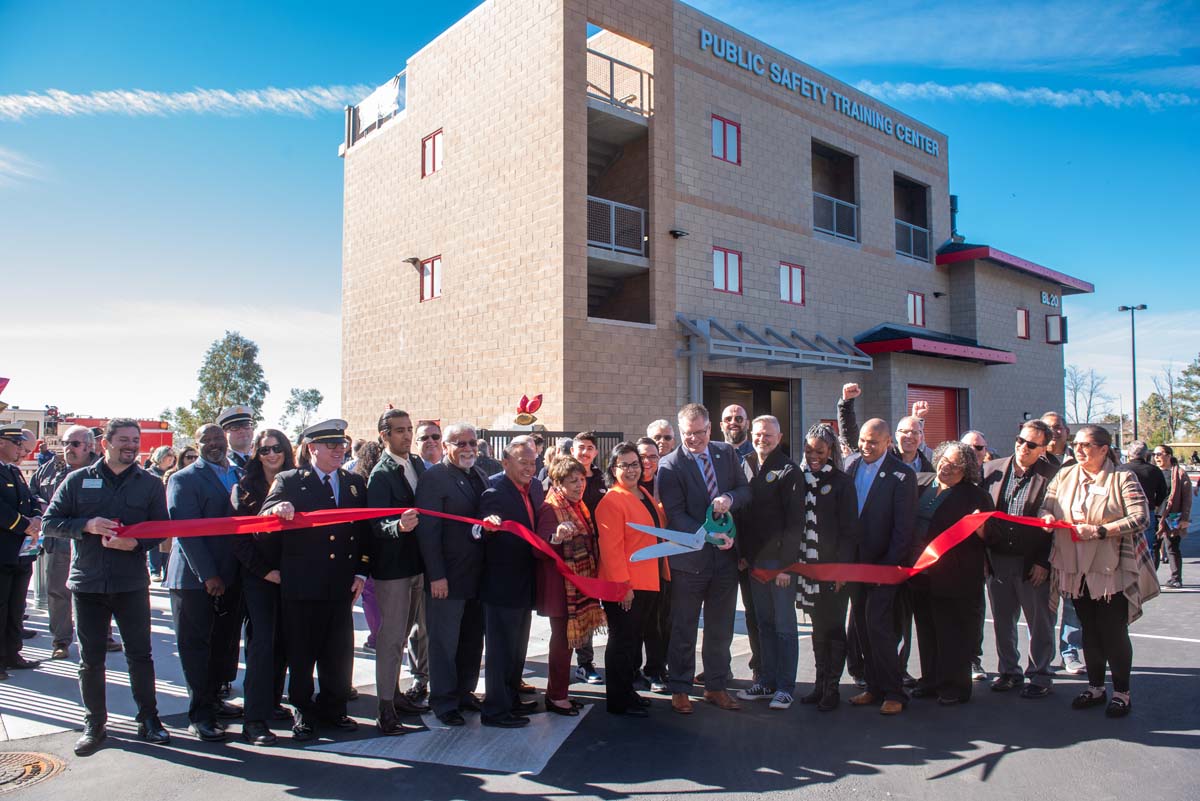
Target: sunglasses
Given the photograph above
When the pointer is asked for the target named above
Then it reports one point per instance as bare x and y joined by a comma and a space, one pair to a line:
980, 448
265, 449
737, 419
1085, 445
466, 443
1160, 453
427, 437
75, 443
1033, 446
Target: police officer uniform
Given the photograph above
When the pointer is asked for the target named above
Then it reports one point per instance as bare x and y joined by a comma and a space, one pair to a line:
227, 631
317, 569
17, 506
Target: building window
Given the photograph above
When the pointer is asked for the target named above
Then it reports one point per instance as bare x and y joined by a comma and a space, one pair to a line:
911, 201
835, 199
791, 283
1022, 323
431, 153
431, 278
726, 140
1056, 329
916, 309
727, 270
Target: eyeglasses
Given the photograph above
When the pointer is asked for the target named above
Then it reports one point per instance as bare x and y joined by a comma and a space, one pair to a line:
649, 457
629, 465
1033, 446
427, 437
238, 426
75, 443
1160, 453
1086, 445
980, 448
953, 465
265, 449
466, 443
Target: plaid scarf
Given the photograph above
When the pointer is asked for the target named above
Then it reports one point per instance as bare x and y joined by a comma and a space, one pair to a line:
809, 590
581, 553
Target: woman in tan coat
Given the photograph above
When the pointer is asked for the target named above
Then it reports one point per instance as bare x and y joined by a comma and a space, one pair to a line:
1096, 566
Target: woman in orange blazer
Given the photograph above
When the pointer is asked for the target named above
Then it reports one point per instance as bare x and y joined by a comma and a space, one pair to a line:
626, 502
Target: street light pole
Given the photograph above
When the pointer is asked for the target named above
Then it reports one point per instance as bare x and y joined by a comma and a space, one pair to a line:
1133, 356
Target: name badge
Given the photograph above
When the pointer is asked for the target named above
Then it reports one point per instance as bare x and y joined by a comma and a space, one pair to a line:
93, 483
1096, 489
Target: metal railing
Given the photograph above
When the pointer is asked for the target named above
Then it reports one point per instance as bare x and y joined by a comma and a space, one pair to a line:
616, 226
912, 240
377, 108
835, 217
619, 84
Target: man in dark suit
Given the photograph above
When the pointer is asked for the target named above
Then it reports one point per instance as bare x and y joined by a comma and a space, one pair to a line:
1019, 562
395, 562
690, 480
887, 503
322, 572
509, 588
202, 578
21, 524
452, 554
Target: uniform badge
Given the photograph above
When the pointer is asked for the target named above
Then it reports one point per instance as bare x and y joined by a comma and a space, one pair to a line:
825, 489
899, 475
354, 490
773, 476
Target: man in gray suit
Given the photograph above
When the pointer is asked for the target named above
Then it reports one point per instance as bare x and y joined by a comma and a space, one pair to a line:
690, 480
202, 578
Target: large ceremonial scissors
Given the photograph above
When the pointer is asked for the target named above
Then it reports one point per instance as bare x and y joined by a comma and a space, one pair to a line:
717, 530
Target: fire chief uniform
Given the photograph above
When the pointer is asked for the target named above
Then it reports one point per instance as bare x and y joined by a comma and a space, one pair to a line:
16, 508
317, 568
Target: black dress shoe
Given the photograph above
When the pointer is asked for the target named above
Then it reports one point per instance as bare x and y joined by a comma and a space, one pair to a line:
224, 690
228, 711
418, 692
568, 711
256, 732
93, 737
28, 634
829, 700
631, 712
1118, 708
1086, 700
812, 697
345, 723
1034, 691
388, 721
923, 692
152, 731
452, 718
353, 695
280, 713
406, 706
506, 722
524, 707
207, 731
639, 701
21, 663
1006, 683
470, 703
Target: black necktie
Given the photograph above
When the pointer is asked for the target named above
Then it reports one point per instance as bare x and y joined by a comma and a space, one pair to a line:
329, 489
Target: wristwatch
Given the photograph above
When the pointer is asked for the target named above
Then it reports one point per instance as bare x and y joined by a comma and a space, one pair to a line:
1101, 532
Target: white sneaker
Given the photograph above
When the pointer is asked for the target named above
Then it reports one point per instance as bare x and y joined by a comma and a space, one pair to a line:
756, 692
781, 701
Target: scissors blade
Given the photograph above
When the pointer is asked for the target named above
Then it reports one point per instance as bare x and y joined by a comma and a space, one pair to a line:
661, 549
692, 541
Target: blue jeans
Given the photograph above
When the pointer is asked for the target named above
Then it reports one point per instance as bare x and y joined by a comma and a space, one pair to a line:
1070, 636
1151, 535
778, 636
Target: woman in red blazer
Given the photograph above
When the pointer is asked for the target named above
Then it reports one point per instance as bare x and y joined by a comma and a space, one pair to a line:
626, 502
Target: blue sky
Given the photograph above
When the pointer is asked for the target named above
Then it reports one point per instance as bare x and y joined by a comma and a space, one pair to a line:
1072, 143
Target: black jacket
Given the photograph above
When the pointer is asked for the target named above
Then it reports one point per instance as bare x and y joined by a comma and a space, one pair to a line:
509, 576
258, 554
395, 554
93, 491
319, 564
449, 550
45, 481
837, 524
17, 505
959, 572
762, 524
1032, 543
886, 522
1151, 479
848, 425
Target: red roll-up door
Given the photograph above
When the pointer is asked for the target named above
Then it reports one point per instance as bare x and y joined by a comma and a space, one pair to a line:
941, 423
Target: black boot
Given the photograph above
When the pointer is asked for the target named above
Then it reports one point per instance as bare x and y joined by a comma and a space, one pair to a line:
93, 737
836, 661
388, 721
821, 658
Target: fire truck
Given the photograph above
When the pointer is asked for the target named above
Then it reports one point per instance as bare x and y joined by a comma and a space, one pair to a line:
46, 424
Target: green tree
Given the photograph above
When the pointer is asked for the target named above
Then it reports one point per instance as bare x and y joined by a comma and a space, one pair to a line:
229, 375
1153, 421
299, 409
1187, 399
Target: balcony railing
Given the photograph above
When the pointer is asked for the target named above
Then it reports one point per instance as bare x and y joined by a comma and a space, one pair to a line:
835, 217
377, 108
619, 84
912, 240
616, 226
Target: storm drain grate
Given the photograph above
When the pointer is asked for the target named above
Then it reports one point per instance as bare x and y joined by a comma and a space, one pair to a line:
22, 769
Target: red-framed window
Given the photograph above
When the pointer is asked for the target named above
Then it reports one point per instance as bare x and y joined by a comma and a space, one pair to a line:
1056, 329
727, 270
431, 278
791, 283
916, 309
1022, 323
431, 153
726, 140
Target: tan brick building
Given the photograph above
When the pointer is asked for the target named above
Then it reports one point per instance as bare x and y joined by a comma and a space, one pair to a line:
626, 206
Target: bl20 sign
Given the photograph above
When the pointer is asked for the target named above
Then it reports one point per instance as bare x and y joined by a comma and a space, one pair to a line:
1049, 299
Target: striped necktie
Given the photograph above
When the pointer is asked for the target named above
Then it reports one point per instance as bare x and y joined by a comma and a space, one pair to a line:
710, 476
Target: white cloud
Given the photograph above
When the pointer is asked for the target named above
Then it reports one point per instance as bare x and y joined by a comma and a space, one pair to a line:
1020, 35
17, 168
988, 92
141, 357
139, 102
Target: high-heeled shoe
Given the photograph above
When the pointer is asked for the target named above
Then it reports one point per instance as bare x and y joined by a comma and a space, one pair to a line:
569, 711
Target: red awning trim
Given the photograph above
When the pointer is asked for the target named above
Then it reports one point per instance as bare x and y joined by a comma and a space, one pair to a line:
931, 347
1075, 285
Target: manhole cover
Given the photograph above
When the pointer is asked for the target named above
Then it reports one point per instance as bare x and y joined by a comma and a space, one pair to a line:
22, 769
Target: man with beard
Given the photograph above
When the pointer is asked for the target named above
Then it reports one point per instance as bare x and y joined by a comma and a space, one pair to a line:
735, 426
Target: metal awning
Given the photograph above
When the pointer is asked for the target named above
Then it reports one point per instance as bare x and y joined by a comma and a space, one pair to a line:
709, 337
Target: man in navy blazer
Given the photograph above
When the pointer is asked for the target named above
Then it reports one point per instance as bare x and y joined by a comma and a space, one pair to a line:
690, 480
509, 584
887, 505
202, 578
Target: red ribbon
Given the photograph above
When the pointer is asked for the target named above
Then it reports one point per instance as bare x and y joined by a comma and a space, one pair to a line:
262, 524
893, 574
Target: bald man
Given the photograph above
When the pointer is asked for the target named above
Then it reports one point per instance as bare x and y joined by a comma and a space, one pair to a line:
887, 503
